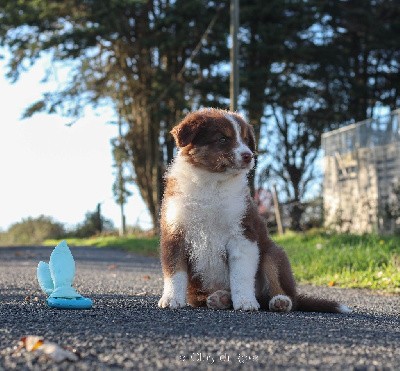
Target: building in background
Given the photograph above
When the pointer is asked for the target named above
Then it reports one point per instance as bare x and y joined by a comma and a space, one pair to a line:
362, 165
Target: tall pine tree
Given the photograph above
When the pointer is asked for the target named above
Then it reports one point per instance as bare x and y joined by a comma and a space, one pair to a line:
137, 54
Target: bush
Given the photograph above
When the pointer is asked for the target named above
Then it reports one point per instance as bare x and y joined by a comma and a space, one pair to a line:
32, 231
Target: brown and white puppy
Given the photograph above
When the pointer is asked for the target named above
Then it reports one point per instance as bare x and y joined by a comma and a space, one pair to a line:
215, 249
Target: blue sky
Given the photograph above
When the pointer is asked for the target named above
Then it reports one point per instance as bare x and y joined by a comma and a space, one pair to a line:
49, 168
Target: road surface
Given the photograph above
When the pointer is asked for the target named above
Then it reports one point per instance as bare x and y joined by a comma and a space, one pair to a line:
126, 329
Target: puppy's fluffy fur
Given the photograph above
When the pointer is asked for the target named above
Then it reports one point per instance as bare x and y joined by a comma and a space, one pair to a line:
215, 249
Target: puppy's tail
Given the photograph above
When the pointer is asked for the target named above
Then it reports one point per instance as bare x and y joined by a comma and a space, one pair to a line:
308, 304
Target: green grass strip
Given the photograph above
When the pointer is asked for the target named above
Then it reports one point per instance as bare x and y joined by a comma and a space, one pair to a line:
317, 257
344, 260
141, 245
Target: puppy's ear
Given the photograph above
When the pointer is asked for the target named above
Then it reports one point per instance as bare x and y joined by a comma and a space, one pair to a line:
186, 130
251, 138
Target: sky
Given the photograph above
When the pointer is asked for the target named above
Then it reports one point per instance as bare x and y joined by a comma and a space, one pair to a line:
49, 168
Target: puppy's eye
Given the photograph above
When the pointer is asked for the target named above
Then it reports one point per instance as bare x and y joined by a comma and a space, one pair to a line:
223, 140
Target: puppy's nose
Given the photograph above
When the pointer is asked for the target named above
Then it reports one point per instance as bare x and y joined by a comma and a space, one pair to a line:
246, 157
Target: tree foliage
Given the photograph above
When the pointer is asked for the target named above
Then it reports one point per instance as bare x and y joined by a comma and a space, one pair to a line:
94, 224
121, 162
306, 67
358, 59
311, 66
136, 54
281, 95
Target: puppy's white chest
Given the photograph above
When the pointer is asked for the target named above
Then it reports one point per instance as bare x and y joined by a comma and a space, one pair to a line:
209, 221
208, 257
208, 208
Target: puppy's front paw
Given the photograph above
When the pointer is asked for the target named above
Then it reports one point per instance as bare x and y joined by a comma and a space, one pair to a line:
280, 303
168, 301
245, 303
220, 299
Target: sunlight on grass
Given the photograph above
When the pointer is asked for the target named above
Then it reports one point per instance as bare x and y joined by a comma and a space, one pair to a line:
343, 260
317, 257
141, 245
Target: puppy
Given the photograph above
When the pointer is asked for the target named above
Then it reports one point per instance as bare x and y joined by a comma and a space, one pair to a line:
215, 249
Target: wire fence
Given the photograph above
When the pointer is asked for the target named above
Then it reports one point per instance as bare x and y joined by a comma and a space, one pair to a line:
362, 166
370, 133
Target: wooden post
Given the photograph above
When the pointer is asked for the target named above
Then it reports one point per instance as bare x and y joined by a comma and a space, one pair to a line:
277, 211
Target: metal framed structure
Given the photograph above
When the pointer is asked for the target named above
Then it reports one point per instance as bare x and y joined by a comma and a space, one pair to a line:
361, 165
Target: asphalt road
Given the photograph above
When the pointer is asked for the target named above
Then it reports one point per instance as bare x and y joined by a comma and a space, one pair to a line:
126, 329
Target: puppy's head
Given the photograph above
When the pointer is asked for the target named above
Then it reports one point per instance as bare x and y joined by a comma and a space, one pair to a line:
216, 140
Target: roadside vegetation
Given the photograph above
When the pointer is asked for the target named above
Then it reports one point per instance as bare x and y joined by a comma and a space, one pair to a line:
344, 260
33, 231
317, 257
144, 245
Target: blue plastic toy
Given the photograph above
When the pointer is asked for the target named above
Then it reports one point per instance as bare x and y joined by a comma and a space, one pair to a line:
56, 278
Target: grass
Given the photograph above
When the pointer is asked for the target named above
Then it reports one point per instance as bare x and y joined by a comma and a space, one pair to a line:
141, 245
317, 257
343, 260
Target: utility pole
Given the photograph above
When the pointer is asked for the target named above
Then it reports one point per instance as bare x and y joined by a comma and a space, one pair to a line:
121, 185
234, 77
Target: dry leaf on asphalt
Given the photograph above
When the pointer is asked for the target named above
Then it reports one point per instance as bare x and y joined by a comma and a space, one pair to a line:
51, 350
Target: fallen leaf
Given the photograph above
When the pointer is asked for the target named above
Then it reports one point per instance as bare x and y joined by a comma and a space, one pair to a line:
51, 350
331, 283
32, 343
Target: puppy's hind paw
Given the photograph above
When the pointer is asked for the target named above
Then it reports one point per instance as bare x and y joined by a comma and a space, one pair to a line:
220, 299
280, 303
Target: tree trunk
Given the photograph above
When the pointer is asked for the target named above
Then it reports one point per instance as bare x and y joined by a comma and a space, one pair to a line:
297, 209
296, 212
143, 142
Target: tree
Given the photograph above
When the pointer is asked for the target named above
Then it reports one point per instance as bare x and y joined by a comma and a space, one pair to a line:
358, 58
310, 66
267, 26
306, 67
137, 54
279, 93
93, 224
120, 190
